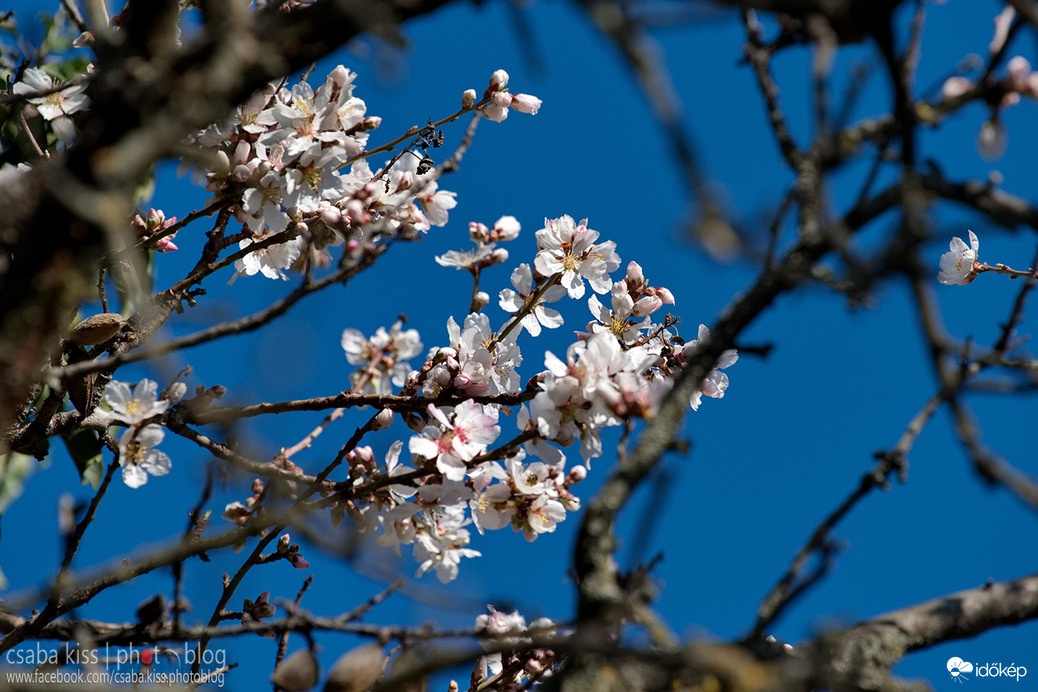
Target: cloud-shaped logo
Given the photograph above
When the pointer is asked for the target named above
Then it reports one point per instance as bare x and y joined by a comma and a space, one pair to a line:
957, 668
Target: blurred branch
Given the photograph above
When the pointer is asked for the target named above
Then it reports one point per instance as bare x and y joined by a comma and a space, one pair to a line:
990, 467
758, 56
601, 599
1001, 207
792, 585
643, 56
857, 658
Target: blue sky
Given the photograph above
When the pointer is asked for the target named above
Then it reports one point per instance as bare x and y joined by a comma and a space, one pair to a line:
790, 440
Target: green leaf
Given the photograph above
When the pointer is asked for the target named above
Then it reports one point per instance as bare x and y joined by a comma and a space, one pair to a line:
84, 446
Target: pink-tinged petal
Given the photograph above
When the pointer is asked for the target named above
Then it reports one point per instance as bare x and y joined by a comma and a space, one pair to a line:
439, 416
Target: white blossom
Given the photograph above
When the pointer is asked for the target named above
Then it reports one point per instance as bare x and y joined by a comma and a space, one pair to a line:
453, 443
138, 456
716, 382
569, 249
132, 408
271, 261
441, 543
56, 104
957, 265
383, 358
513, 301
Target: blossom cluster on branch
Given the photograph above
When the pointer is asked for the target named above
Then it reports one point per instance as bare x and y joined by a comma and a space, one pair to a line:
291, 166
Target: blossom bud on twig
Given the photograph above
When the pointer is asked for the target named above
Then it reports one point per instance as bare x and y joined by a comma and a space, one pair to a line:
498, 80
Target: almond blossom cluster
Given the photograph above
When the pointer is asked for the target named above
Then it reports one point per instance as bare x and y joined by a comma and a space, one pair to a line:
384, 357
155, 224
464, 470
510, 668
292, 167
137, 409
293, 162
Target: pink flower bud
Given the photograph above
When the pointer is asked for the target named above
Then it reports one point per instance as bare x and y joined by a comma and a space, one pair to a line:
665, 295
498, 80
506, 228
441, 378
479, 232
366, 456
139, 225
236, 512
174, 392
284, 542
155, 218
525, 103
356, 211
165, 245
955, 87
221, 164
499, 256
331, 216
298, 561
576, 474
339, 76
468, 97
494, 112
635, 275
1011, 98
646, 306
383, 419
372, 122
497, 110
479, 671
1019, 71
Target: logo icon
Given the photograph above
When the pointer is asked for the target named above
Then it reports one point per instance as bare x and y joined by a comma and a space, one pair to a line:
958, 668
